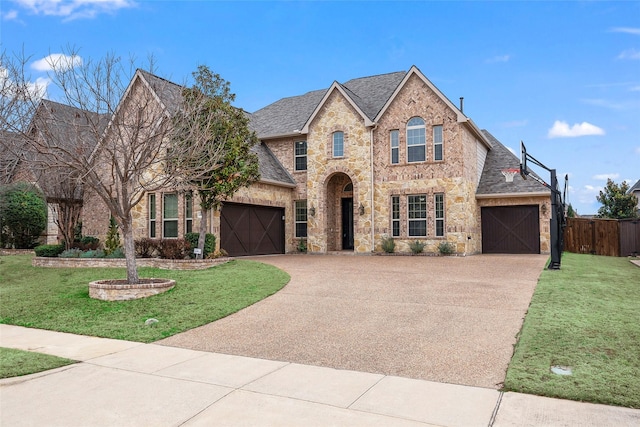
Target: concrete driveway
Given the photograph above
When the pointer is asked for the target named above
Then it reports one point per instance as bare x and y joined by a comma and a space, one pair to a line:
445, 319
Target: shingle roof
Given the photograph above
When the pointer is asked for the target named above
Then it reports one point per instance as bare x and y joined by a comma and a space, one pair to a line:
493, 182
289, 115
636, 187
269, 166
170, 95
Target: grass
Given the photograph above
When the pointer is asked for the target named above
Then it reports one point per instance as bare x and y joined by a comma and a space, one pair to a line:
14, 363
585, 316
58, 298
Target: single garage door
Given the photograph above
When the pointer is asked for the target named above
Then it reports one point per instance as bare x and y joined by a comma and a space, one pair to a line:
510, 230
251, 230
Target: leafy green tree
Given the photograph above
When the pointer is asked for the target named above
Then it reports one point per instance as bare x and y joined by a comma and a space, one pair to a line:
213, 144
23, 215
617, 202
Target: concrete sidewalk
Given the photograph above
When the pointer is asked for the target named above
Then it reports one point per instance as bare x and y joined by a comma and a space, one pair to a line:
132, 384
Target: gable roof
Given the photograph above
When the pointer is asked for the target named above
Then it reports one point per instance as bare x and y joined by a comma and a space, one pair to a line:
492, 182
9, 157
369, 96
636, 187
169, 95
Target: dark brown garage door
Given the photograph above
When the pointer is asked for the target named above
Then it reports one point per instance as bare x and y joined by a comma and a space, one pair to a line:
251, 230
510, 230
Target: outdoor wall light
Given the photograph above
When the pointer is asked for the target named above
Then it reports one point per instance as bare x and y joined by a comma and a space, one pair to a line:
544, 209
312, 211
361, 209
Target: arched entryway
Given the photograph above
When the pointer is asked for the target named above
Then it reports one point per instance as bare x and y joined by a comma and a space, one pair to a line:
340, 213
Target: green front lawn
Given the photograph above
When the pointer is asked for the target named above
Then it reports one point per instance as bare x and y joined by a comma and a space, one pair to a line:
585, 316
58, 298
14, 363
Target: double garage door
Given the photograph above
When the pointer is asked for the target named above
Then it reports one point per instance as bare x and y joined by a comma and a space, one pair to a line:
511, 230
251, 230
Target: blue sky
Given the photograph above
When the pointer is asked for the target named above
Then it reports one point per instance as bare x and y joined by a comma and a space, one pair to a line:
564, 77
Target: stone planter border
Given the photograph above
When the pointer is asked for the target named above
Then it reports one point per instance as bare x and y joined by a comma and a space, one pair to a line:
164, 264
120, 290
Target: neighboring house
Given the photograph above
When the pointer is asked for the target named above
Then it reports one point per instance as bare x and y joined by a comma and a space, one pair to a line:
345, 167
635, 190
58, 124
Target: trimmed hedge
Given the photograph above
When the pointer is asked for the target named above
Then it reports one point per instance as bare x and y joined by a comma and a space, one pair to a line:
209, 243
49, 251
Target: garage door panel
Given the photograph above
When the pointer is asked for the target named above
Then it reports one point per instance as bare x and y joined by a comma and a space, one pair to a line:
511, 229
251, 230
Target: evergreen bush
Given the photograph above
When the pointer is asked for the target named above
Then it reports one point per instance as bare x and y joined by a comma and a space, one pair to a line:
49, 251
209, 243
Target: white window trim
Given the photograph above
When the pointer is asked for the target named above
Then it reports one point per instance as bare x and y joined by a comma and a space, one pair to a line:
395, 220
295, 218
333, 144
424, 143
153, 215
296, 156
440, 143
395, 132
435, 214
410, 220
165, 220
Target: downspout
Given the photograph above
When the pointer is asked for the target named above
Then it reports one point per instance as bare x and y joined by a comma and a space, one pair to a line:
372, 207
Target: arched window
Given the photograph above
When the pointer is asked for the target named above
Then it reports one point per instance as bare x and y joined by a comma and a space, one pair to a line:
416, 145
338, 144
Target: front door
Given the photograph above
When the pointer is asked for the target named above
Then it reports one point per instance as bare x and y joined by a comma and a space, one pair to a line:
347, 223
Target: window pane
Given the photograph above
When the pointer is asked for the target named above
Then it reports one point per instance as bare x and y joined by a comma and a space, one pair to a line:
188, 206
439, 214
395, 143
418, 228
395, 216
300, 155
437, 152
396, 228
338, 144
171, 228
301, 148
437, 142
301, 229
301, 218
152, 206
170, 206
416, 154
415, 136
395, 157
416, 121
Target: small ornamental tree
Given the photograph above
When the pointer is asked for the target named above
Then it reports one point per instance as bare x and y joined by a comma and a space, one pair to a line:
617, 202
213, 144
112, 241
23, 215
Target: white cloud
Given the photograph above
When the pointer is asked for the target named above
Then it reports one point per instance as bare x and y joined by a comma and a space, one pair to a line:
561, 129
627, 30
10, 88
606, 176
57, 60
635, 89
629, 54
498, 58
74, 9
10, 15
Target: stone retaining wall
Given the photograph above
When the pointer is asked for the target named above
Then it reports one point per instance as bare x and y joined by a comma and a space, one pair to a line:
164, 264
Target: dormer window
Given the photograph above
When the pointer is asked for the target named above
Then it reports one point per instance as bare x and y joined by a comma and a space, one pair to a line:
416, 145
338, 144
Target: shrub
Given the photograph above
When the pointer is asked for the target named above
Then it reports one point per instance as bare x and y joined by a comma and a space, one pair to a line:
209, 243
113, 237
417, 246
93, 254
87, 243
49, 250
117, 253
173, 248
446, 248
218, 254
388, 245
71, 253
146, 247
302, 245
23, 215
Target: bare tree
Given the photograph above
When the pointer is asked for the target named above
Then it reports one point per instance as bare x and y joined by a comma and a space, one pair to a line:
124, 160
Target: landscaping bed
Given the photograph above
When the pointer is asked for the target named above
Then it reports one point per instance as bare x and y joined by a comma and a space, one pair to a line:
163, 264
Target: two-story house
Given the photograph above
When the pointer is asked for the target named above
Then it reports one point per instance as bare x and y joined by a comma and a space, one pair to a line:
385, 156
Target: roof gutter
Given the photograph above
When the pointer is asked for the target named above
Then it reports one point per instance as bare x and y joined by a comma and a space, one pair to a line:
512, 195
277, 183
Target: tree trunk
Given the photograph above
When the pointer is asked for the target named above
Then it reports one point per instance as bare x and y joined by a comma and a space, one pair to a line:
130, 255
203, 232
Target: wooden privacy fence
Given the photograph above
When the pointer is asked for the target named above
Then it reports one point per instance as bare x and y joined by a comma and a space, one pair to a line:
611, 237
